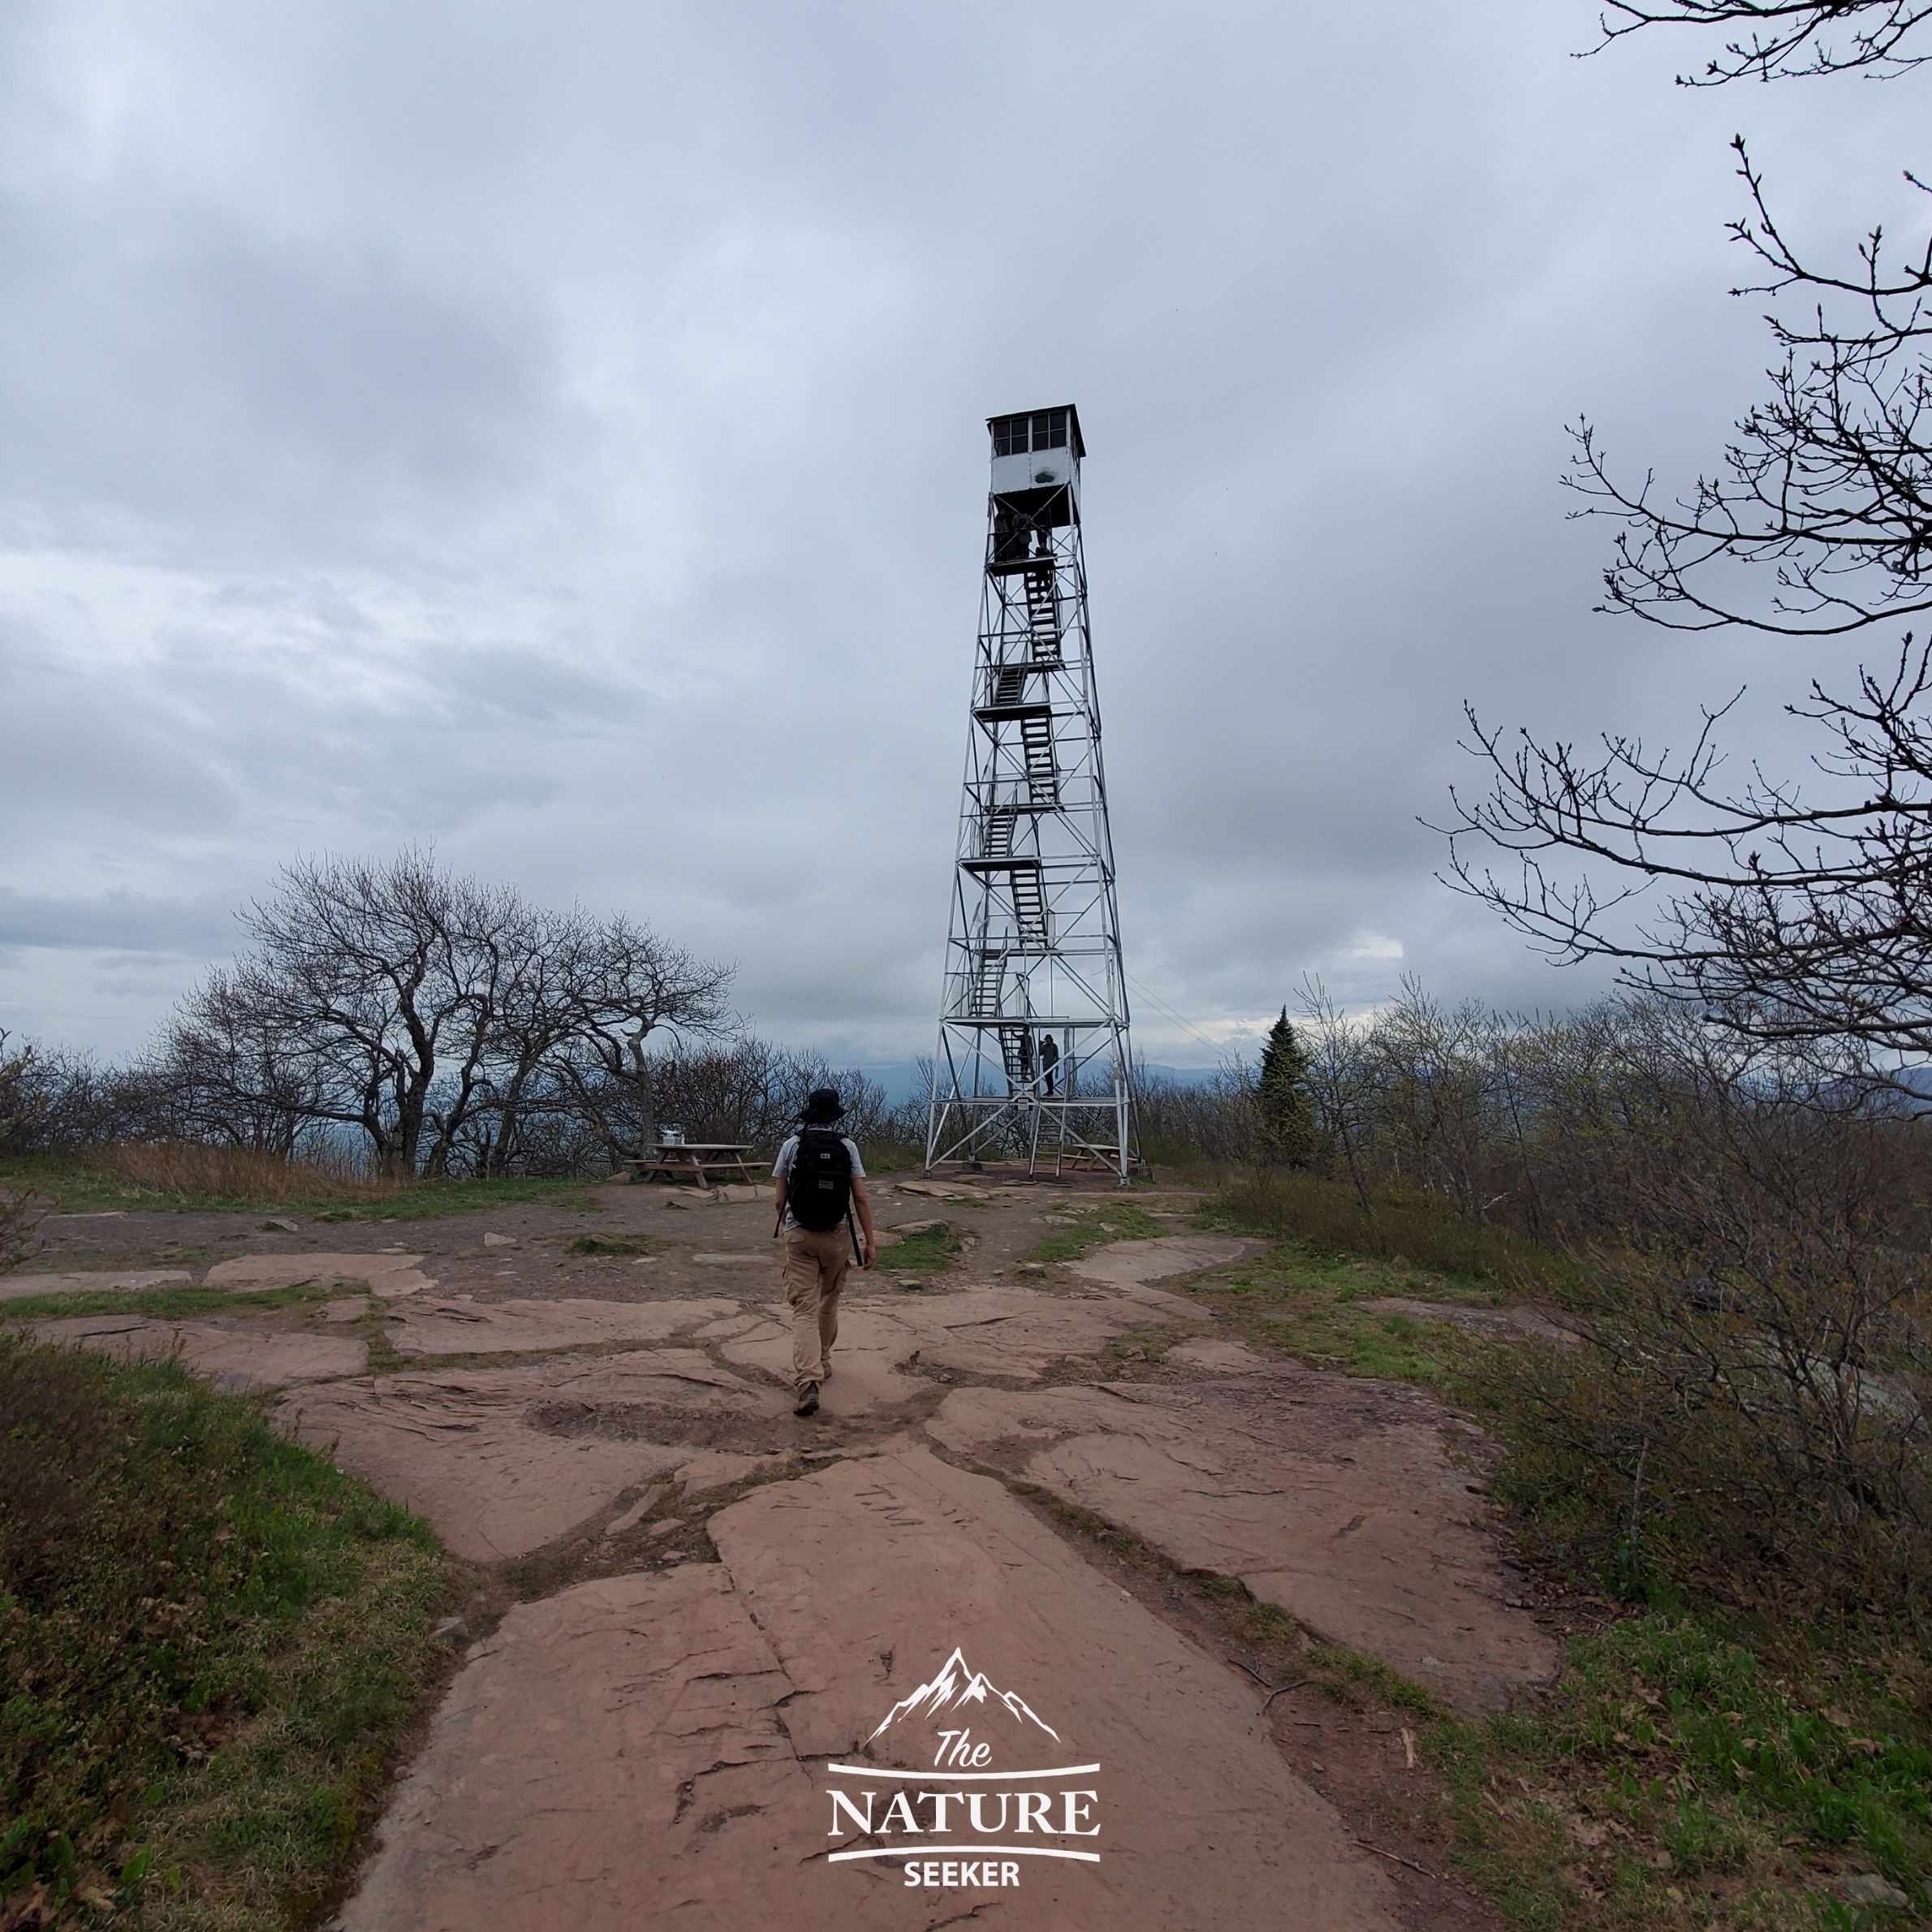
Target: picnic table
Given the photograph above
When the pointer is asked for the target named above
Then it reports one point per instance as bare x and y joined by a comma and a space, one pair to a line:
693, 1160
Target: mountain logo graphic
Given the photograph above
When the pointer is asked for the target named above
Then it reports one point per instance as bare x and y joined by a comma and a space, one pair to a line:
958, 1687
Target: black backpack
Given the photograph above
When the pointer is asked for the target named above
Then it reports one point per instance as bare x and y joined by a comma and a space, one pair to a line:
819, 1187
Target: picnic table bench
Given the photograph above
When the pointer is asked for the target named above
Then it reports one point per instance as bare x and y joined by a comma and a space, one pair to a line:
693, 1160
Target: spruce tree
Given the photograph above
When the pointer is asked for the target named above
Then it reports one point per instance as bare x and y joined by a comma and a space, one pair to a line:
1287, 1118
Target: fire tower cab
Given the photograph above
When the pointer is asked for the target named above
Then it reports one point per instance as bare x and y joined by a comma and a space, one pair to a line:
1036, 479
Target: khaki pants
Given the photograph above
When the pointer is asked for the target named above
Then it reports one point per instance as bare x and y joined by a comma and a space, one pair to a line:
815, 1265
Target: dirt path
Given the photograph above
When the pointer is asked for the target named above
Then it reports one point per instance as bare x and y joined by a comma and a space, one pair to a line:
712, 1607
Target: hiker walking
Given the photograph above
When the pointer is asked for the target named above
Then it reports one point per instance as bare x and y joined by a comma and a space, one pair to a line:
819, 1180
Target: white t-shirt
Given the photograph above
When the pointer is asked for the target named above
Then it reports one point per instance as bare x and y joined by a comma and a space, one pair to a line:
789, 1153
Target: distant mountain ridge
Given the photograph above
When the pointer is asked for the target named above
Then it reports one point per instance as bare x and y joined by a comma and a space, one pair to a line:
959, 1684
901, 1082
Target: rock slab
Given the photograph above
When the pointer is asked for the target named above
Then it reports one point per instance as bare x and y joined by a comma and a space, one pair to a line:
643, 1749
390, 1275
458, 1326
1326, 1496
501, 1461
125, 1281
240, 1357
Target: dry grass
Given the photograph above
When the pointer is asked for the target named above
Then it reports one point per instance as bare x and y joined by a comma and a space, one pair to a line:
191, 1168
171, 1175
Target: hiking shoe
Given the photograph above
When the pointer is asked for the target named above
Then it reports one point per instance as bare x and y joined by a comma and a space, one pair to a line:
807, 1400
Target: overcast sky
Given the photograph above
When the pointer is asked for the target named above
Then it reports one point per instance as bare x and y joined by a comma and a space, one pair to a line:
556, 431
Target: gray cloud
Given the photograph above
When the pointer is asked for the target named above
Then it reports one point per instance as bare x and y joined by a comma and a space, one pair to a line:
558, 436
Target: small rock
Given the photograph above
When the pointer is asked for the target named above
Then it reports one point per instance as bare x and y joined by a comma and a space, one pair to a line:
906, 1229
452, 1630
499, 1240
638, 1511
669, 1527
1868, 1888
671, 1201
277, 1227
1030, 1268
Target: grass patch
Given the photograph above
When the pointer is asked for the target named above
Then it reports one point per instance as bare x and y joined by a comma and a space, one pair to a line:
1327, 1217
427, 1199
929, 1251
1095, 1226
166, 1303
174, 1178
1685, 1774
212, 1642
628, 1245
1310, 1306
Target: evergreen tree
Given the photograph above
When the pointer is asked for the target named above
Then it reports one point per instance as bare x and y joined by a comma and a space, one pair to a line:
1282, 1095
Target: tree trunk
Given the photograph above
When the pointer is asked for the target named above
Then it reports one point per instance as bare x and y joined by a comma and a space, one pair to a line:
647, 1099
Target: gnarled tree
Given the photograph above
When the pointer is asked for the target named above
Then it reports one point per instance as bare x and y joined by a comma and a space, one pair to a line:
428, 1011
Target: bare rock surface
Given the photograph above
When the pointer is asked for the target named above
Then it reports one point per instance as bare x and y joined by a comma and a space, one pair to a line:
389, 1275
501, 1461
123, 1281
457, 1325
645, 1749
613, 1756
1219, 1357
622, 1525
1128, 1266
865, 1577
247, 1356
1013, 1334
1326, 1495
871, 1350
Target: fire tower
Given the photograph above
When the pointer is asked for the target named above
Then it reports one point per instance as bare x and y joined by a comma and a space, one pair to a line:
1033, 1059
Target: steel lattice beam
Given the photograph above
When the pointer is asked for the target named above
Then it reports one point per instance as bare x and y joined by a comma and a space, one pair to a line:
1033, 1059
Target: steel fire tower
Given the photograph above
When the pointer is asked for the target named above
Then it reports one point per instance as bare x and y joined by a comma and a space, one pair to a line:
1033, 1060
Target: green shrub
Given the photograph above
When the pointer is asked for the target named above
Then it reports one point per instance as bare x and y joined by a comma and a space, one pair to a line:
1328, 1217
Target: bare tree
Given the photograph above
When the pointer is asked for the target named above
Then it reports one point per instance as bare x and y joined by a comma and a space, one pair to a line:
1801, 923
631, 985
223, 1073
1786, 38
19, 1209
364, 976
427, 1011
1797, 917
1822, 496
